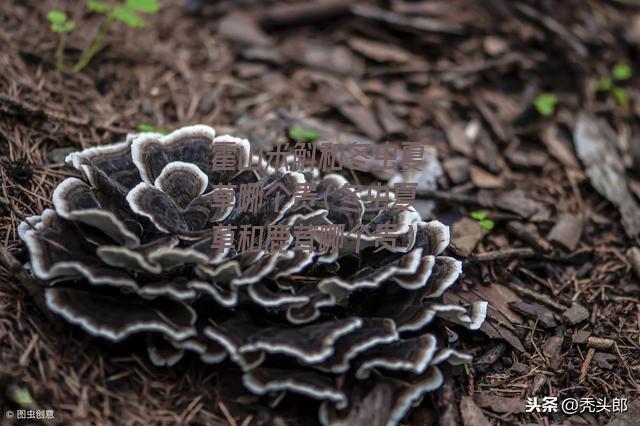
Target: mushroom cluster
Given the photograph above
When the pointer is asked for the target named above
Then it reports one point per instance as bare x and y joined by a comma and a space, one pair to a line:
128, 250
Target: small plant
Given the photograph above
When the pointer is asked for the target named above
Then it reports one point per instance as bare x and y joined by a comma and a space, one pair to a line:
546, 104
150, 128
302, 135
126, 12
612, 83
481, 217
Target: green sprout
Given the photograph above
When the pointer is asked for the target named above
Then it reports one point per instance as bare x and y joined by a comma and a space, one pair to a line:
610, 84
125, 12
481, 217
150, 128
546, 104
146, 127
621, 72
22, 397
302, 135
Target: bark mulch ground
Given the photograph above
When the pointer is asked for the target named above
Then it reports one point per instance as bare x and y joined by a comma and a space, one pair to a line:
557, 266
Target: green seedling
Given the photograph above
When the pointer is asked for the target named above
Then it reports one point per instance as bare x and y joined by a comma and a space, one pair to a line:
546, 104
621, 72
481, 217
612, 84
125, 12
22, 397
146, 128
302, 135
150, 128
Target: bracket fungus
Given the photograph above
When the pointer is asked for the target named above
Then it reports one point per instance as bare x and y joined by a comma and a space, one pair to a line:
128, 250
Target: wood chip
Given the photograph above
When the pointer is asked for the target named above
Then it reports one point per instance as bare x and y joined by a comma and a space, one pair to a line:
559, 146
380, 52
404, 22
456, 134
242, 28
490, 357
605, 360
539, 380
499, 404
575, 314
551, 350
334, 59
457, 169
544, 315
362, 118
595, 143
584, 368
466, 233
392, 125
580, 337
518, 202
472, 414
298, 13
566, 231
627, 418
600, 343
494, 46
633, 256
484, 180
528, 235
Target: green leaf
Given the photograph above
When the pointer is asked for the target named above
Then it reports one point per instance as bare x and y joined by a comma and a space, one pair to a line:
621, 96
146, 6
128, 17
146, 127
605, 84
303, 135
98, 6
63, 27
478, 215
546, 103
487, 224
621, 72
56, 16
22, 397
68, 26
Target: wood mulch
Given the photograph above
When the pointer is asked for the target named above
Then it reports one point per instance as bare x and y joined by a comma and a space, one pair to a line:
462, 75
